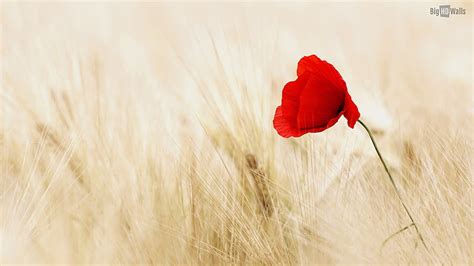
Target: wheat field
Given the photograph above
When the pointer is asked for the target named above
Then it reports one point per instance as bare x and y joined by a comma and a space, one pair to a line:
142, 133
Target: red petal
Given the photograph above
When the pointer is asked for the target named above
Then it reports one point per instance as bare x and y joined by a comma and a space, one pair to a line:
290, 102
315, 65
329, 124
284, 127
351, 112
286, 114
319, 103
281, 124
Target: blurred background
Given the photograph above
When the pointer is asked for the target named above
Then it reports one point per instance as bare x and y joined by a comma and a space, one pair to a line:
142, 133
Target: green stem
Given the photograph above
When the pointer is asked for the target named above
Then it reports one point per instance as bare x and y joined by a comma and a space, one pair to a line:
393, 183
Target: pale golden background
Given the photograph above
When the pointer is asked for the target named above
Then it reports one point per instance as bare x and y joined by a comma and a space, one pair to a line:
142, 133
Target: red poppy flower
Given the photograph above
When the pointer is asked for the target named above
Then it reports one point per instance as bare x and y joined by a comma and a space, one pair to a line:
314, 101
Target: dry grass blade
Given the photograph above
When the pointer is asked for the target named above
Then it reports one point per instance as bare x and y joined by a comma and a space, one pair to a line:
261, 183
